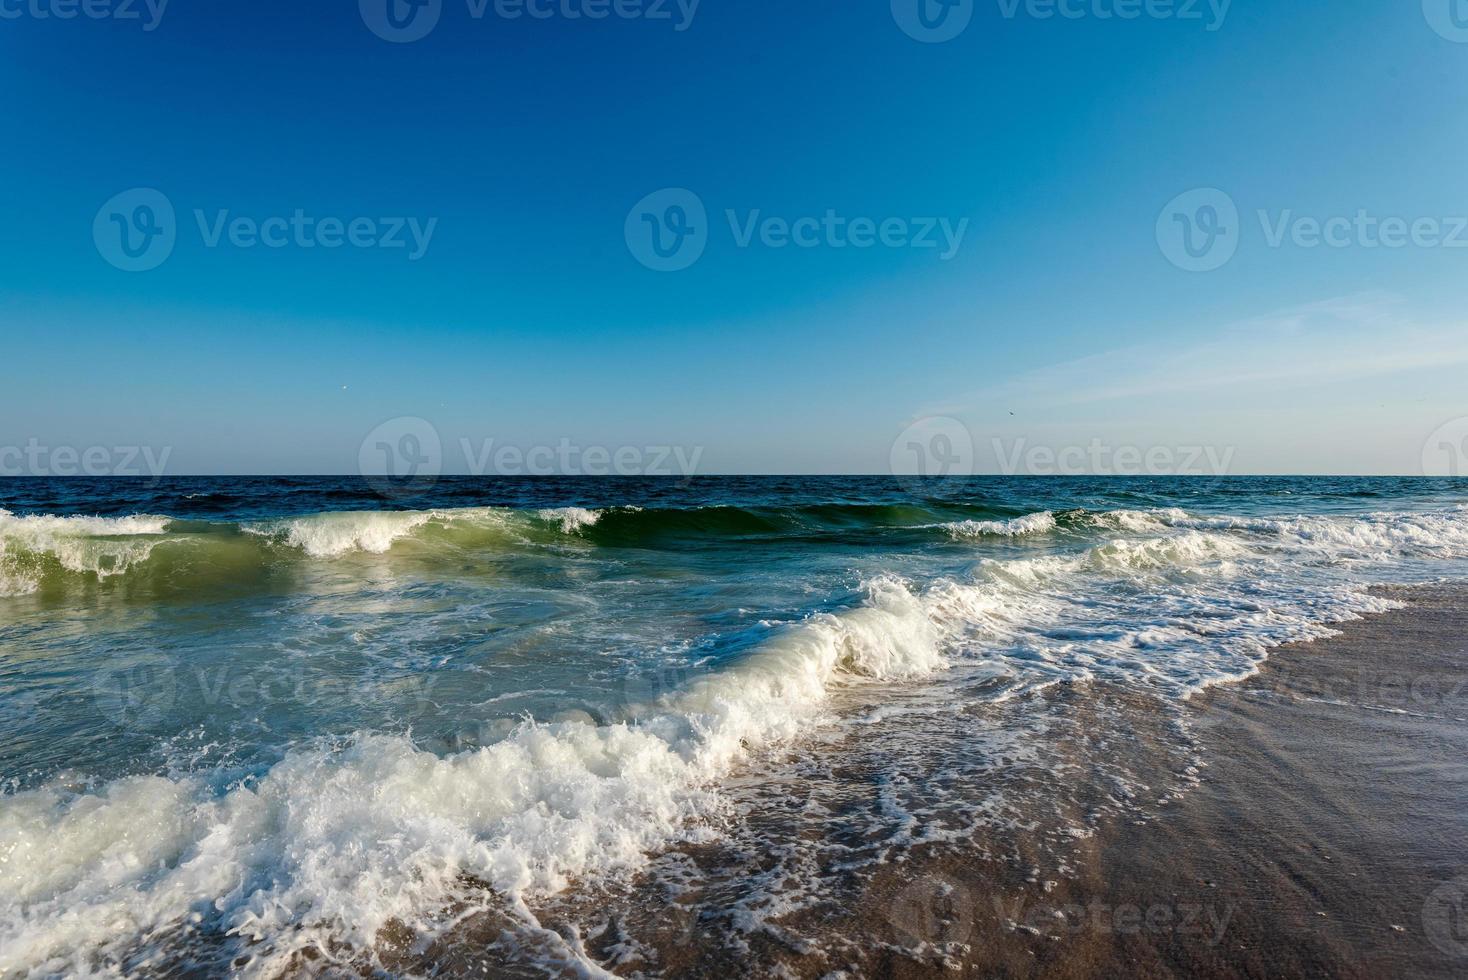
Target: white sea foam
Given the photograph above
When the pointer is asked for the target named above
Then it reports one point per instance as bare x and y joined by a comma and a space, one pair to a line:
1188, 551
333, 843
1174, 611
333, 534
14, 580
100, 546
1015, 527
1442, 534
330, 535
48, 527
1436, 534
571, 519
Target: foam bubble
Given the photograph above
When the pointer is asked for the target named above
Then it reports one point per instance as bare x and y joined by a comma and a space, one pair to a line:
1440, 534
1189, 551
100, 546
571, 519
335, 842
14, 580
1379, 535
1015, 527
333, 534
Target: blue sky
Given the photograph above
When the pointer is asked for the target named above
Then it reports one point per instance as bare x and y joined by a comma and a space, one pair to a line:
1054, 143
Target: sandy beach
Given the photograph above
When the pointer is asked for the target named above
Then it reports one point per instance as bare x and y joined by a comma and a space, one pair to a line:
1326, 836
1322, 835
1316, 831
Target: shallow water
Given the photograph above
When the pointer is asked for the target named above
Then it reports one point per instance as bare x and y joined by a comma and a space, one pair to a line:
247, 721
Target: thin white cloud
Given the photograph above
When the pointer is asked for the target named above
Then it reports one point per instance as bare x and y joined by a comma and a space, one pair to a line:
1336, 340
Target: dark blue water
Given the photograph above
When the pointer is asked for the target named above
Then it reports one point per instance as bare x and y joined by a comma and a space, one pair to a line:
242, 498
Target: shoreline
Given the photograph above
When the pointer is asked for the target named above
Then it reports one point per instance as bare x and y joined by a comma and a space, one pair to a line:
1327, 832
1306, 820
1318, 830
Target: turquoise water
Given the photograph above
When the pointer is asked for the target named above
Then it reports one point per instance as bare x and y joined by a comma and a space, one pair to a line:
247, 718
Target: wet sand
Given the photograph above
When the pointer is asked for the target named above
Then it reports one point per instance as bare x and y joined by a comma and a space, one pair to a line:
1325, 836
1315, 826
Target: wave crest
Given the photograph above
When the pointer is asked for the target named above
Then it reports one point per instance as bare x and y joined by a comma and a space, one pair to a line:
335, 842
334, 534
100, 546
571, 519
1040, 523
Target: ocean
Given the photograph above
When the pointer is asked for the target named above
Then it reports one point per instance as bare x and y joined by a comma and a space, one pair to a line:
574, 726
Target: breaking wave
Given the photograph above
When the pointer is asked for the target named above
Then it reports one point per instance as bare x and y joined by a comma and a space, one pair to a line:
1013, 528
341, 842
39, 549
98, 546
335, 842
